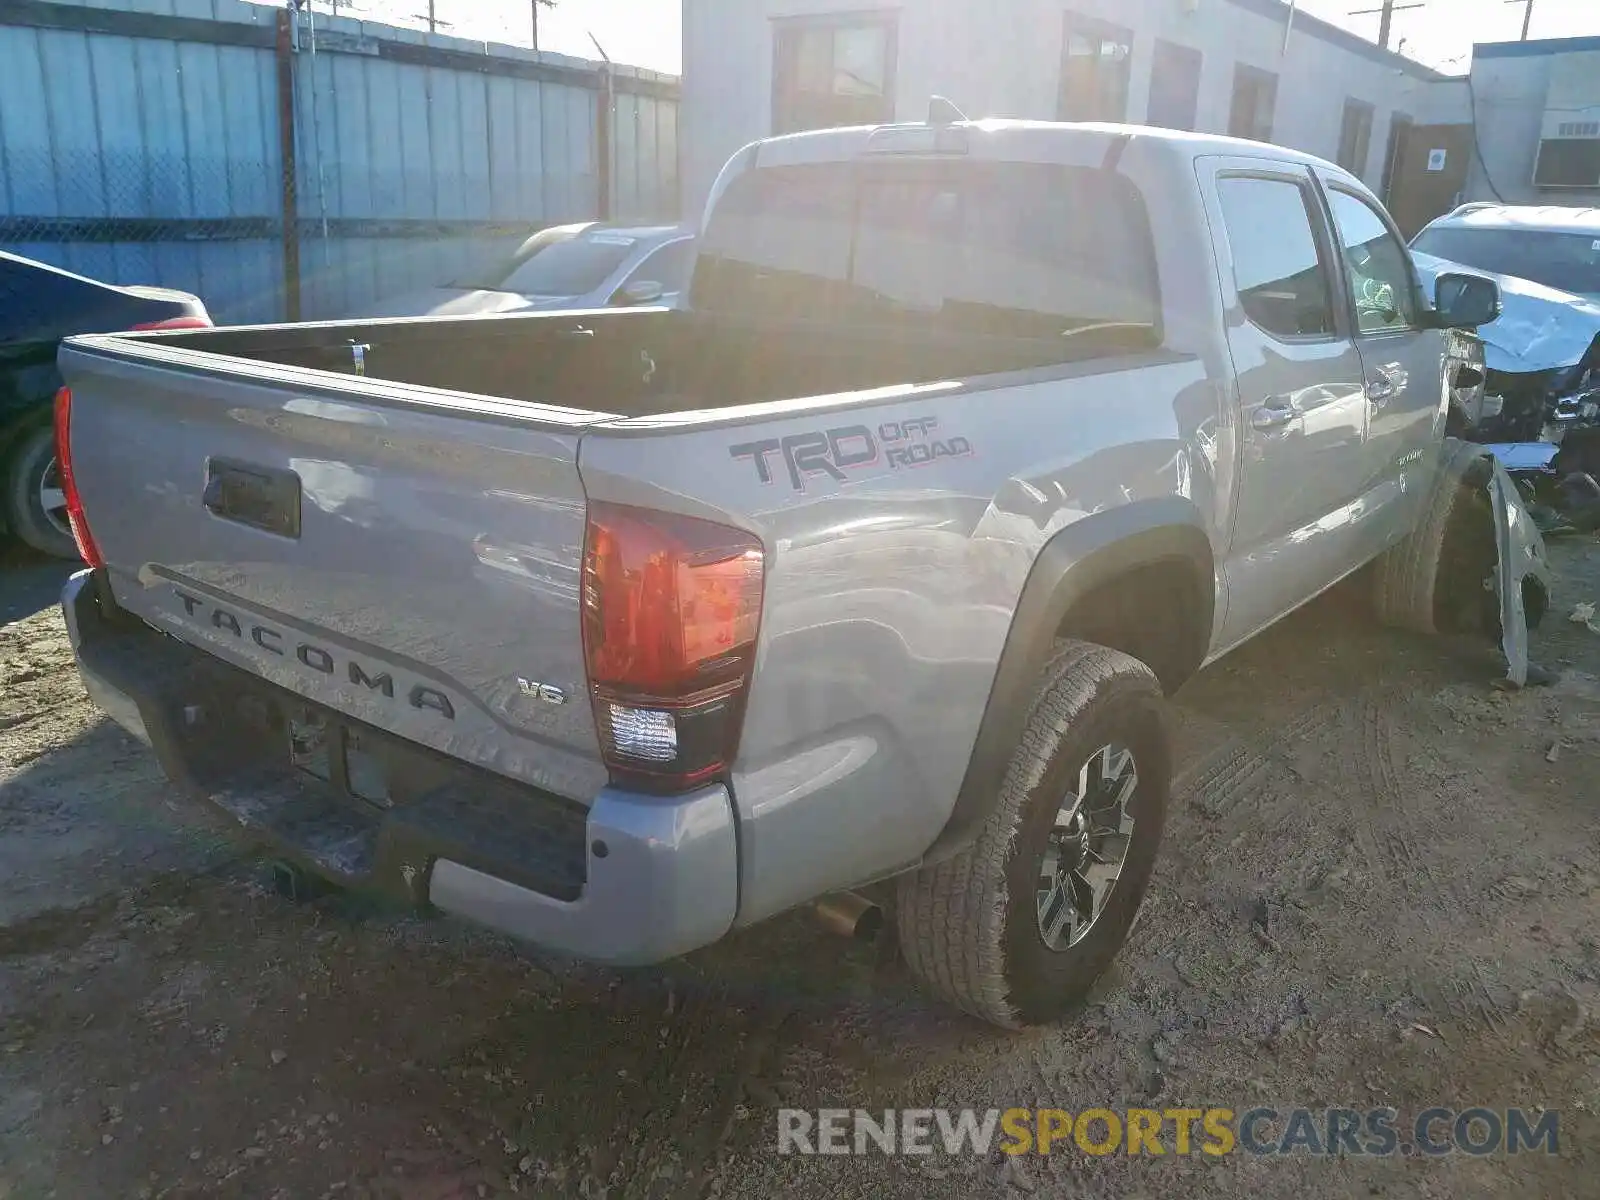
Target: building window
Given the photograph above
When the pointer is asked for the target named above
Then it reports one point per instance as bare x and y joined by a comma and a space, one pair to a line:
1174, 86
838, 72
1094, 71
1255, 95
1568, 162
1355, 137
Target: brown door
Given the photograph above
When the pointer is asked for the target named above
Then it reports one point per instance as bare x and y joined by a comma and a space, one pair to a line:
1425, 171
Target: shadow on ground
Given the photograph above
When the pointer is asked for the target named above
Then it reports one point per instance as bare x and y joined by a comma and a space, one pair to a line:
1379, 886
29, 581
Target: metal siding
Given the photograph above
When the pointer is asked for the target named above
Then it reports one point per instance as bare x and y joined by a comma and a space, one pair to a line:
555, 168
205, 131
624, 158
29, 152
583, 197
473, 96
444, 132
532, 197
133, 127
415, 146
122, 146
74, 134
161, 111
352, 136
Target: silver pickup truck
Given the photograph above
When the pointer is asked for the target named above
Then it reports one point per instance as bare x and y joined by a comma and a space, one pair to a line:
620, 630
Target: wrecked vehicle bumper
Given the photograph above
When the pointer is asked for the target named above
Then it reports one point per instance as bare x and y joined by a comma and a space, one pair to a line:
1474, 564
1522, 572
1541, 357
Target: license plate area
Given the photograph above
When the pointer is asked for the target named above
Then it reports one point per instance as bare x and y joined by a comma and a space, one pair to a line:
332, 752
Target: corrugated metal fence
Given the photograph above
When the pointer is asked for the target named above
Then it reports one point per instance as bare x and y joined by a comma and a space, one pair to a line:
150, 147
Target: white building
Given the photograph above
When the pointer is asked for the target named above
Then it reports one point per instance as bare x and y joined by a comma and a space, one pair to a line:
1538, 121
753, 68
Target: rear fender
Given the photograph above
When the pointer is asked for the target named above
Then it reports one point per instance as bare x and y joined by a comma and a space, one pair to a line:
1076, 561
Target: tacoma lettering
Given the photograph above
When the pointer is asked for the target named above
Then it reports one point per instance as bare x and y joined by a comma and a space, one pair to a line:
314, 657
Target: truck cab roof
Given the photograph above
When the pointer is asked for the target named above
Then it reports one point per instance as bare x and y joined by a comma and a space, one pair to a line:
1016, 141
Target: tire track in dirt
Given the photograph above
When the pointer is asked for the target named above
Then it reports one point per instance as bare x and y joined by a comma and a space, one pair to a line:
1253, 782
1390, 828
1237, 773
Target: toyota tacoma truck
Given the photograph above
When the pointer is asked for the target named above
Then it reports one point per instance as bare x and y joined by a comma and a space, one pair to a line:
620, 630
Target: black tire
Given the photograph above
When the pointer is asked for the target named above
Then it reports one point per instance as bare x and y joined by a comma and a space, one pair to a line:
1405, 577
30, 461
969, 926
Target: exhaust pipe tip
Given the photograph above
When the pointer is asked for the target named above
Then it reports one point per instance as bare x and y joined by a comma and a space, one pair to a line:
851, 916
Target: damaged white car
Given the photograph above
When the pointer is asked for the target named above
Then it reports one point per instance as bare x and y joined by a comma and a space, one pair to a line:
1543, 354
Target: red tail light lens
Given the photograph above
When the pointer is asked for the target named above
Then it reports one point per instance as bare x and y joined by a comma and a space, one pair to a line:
671, 609
174, 323
69, 483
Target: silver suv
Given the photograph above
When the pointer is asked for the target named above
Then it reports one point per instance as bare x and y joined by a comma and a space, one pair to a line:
1556, 247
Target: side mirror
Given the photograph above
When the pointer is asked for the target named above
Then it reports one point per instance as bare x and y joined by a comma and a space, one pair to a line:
640, 291
1465, 301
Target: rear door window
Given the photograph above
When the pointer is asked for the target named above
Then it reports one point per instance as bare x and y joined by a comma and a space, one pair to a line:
1280, 275
1382, 287
1019, 250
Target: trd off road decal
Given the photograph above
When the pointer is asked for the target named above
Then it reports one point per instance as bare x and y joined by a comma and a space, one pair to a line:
833, 452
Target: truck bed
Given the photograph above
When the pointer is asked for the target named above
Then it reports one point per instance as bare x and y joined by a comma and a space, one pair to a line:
642, 362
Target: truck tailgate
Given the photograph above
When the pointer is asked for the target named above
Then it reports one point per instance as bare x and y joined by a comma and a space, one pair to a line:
403, 556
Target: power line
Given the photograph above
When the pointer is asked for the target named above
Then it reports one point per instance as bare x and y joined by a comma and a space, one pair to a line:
1386, 19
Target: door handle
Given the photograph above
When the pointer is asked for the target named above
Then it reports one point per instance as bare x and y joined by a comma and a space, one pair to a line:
578, 332
1273, 414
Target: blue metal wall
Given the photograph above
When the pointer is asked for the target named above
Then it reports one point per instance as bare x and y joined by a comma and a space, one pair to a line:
143, 147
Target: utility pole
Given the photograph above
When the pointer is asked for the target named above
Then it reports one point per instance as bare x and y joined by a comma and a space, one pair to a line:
534, 5
1527, 19
1386, 19
433, 25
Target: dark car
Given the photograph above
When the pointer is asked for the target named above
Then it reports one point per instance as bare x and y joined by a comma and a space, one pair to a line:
589, 265
40, 305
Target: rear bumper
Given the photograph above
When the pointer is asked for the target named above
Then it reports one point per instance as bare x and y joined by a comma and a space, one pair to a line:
634, 879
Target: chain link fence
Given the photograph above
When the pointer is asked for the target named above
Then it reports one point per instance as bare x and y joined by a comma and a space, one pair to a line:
206, 223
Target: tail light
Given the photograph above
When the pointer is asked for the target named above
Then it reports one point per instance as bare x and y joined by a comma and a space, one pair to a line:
69, 483
174, 323
671, 607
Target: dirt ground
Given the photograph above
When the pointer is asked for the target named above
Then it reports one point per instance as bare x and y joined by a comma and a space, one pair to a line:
1380, 886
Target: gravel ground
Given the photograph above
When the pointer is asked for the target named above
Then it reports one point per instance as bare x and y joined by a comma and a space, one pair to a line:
1379, 886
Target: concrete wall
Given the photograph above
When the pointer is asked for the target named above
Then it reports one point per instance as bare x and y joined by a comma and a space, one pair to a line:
140, 143
1004, 59
1511, 81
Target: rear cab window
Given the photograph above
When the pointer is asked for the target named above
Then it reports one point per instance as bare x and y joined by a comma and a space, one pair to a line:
1039, 252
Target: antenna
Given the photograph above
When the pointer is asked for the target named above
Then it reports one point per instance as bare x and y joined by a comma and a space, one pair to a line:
944, 112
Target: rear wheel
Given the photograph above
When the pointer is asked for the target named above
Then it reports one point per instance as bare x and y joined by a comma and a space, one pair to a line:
1016, 928
36, 507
